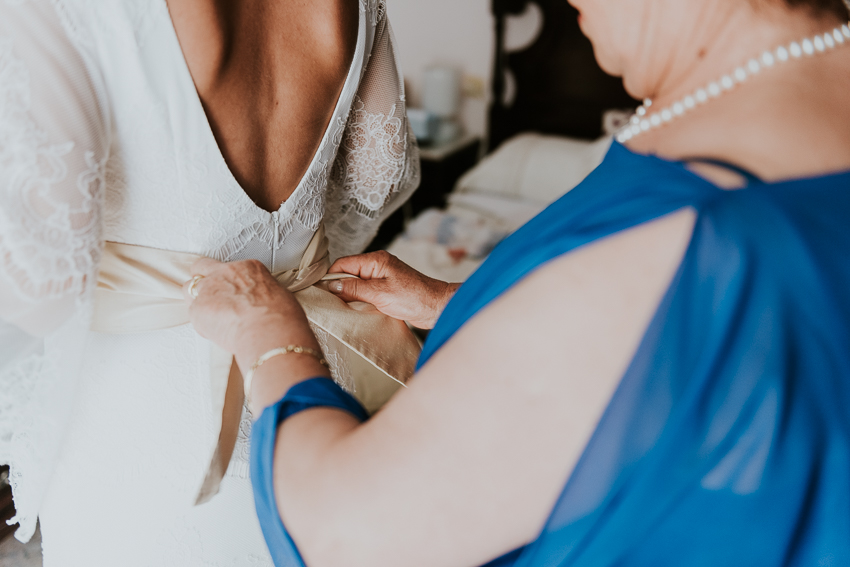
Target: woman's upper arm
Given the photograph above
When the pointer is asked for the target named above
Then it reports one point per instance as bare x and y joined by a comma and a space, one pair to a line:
467, 464
53, 145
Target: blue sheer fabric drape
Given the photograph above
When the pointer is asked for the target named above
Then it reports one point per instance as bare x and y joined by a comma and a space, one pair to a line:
315, 392
727, 441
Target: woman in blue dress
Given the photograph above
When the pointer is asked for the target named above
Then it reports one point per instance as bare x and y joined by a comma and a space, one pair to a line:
654, 371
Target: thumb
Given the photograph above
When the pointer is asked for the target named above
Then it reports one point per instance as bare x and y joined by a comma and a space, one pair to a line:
355, 289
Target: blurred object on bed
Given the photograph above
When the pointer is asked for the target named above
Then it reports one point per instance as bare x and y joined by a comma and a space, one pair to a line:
503, 192
553, 85
442, 165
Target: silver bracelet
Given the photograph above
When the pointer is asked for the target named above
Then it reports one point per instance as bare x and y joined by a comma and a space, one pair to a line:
295, 349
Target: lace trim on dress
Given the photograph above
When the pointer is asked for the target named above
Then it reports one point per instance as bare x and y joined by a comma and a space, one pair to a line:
382, 167
371, 161
47, 246
50, 242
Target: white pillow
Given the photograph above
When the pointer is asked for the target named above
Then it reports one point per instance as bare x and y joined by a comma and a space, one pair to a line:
535, 167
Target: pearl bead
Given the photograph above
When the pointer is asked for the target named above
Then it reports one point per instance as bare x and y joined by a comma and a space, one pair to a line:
808, 48
642, 121
795, 49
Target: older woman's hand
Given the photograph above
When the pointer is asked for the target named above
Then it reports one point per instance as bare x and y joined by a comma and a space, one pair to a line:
242, 308
393, 287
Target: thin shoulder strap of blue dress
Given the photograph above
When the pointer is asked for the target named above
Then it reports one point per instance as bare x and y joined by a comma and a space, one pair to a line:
752, 178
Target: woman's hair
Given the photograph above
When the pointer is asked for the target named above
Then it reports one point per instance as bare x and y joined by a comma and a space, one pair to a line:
834, 7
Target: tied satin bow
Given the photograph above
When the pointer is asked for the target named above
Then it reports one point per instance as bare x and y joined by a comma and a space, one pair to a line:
141, 289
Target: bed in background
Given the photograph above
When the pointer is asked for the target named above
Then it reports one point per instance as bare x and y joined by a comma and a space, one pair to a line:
549, 100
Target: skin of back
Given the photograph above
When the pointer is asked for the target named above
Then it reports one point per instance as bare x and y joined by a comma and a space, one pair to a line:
269, 75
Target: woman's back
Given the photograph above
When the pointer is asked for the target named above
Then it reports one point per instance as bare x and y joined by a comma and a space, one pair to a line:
269, 75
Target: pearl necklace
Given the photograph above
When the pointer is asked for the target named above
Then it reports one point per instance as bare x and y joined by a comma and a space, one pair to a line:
641, 121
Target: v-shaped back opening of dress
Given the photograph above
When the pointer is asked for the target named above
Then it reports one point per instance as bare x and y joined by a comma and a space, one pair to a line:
341, 109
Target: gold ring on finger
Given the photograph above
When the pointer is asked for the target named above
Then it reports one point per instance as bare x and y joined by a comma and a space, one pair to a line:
193, 290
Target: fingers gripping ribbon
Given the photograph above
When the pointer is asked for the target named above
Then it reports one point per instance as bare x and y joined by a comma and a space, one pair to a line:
141, 289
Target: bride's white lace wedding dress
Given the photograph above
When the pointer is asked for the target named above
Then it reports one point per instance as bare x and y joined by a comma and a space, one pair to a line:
103, 138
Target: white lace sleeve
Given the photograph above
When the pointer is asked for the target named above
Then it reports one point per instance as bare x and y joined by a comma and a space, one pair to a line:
377, 167
53, 144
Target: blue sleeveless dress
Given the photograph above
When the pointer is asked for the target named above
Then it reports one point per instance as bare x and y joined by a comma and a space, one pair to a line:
727, 441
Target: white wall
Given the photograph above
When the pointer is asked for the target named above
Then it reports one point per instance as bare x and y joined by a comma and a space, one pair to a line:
454, 32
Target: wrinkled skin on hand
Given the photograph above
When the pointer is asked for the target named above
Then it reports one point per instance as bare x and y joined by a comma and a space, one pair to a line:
393, 287
244, 310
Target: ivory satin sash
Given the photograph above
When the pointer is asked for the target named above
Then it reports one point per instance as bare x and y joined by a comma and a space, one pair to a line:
141, 289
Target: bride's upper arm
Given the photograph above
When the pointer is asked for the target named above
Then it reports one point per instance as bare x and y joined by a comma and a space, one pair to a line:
377, 167
53, 144
467, 464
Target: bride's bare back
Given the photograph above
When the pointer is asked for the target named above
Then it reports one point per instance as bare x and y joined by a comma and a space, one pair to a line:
269, 75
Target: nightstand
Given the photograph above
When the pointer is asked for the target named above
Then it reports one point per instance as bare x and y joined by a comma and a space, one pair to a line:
442, 166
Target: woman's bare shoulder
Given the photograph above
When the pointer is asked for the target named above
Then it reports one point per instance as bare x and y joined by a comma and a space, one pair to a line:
524, 381
583, 313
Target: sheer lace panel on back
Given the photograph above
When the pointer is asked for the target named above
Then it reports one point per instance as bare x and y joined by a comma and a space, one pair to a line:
52, 149
378, 164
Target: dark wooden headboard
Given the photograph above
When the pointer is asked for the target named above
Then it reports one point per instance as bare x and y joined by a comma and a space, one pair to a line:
560, 88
